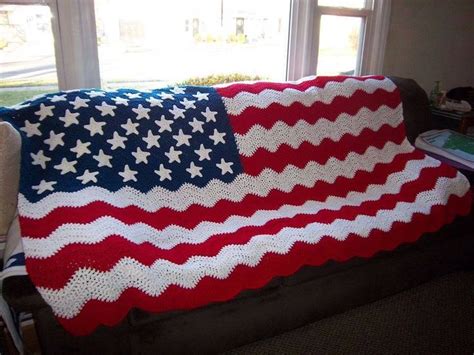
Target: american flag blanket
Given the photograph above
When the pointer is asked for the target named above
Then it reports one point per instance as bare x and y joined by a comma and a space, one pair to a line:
175, 198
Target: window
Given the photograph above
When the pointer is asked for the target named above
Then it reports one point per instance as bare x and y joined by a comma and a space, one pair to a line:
27, 59
342, 30
330, 37
143, 44
339, 45
352, 4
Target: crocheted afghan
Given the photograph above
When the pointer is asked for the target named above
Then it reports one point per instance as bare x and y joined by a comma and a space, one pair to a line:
175, 198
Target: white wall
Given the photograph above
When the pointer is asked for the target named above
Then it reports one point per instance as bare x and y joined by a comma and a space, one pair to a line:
432, 40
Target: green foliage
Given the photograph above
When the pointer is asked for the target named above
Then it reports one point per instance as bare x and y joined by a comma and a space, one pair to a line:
26, 83
231, 39
239, 39
207, 38
219, 79
13, 97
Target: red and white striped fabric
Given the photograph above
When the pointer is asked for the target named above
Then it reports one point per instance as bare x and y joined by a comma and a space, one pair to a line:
327, 174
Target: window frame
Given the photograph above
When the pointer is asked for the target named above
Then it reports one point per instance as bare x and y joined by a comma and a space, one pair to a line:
76, 48
303, 45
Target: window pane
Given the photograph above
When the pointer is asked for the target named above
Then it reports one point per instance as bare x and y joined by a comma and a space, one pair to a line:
353, 4
339, 41
27, 61
154, 43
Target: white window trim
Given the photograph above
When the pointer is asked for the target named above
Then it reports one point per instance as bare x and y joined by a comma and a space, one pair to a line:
24, 2
302, 41
77, 57
376, 35
304, 36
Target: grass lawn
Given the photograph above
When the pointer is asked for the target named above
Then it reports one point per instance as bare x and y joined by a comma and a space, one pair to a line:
8, 98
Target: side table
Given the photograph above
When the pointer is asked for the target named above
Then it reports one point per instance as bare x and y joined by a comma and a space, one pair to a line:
459, 121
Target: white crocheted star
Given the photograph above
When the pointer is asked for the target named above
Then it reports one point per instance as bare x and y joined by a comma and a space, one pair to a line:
163, 173
31, 129
182, 139
57, 98
197, 125
81, 148
44, 186
66, 166
173, 155
177, 90
133, 95
188, 103
69, 118
166, 95
217, 137
120, 101
210, 115
54, 140
106, 109
117, 141
94, 93
45, 111
103, 159
40, 159
203, 153
141, 156
151, 140
79, 102
164, 124
95, 127
225, 167
155, 102
141, 112
177, 112
130, 127
194, 170
128, 174
201, 96
88, 176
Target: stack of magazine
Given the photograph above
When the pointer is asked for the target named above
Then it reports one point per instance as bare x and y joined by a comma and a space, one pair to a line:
448, 145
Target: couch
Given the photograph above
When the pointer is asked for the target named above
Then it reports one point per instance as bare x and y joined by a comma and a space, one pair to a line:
285, 303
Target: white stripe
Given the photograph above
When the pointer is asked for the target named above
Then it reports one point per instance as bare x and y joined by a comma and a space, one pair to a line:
87, 284
217, 190
169, 237
281, 133
237, 104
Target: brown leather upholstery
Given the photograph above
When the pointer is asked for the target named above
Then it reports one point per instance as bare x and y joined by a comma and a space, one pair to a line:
416, 111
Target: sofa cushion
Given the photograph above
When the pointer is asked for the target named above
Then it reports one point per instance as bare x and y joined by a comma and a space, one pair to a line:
10, 147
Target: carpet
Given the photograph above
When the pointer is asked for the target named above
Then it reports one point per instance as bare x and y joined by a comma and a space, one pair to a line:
433, 318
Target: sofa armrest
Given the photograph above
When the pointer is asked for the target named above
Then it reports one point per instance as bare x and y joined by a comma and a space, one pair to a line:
10, 147
20, 294
416, 107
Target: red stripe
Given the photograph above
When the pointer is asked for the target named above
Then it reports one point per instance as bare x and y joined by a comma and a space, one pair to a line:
267, 117
39, 228
255, 88
243, 277
104, 255
325, 150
